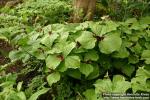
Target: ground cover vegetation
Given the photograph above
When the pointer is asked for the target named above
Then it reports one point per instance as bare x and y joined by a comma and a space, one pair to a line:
64, 50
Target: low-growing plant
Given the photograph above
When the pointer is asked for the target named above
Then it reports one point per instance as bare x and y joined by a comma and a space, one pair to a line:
109, 56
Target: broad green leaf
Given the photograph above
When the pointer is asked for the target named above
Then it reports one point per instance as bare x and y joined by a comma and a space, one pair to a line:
56, 28
53, 78
112, 42
96, 27
103, 86
133, 59
75, 73
90, 94
68, 48
17, 55
128, 69
86, 69
95, 73
47, 29
12, 96
110, 26
140, 81
3, 37
146, 56
145, 20
57, 48
52, 61
62, 67
131, 20
124, 67
118, 85
147, 45
126, 30
86, 40
38, 93
119, 63
38, 54
22, 95
48, 39
83, 26
72, 27
91, 55
134, 38
21, 40
72, 62
122, 53
33, 37
79, 50
135, 26
105, 61
137, 49
63, 36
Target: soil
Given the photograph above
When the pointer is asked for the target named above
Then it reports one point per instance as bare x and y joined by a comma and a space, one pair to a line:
15, 68
5, 46
10, 3
4, 60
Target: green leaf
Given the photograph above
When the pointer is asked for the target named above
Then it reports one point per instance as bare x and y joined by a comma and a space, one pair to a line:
118, 85
96, 27
86, 40
62, 67
140, 81
52, 61
91, 55
135, 26
95, 73
122, 53
105, 61
53, 78
56, 28
19, 86
33, 37
72, 27
128, 69
75, 73
146, 56
22, 95
145, 20
63, 36
12, 96
110, 26
68, 48
131, 20
137, 49
3, 37
147, 45
48, 39
17, 55
90, 94
86, 69
38, 93
126, 30
57, 48
112, 42
103, 86
133, 59
72, 62
47, 29
38, 54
